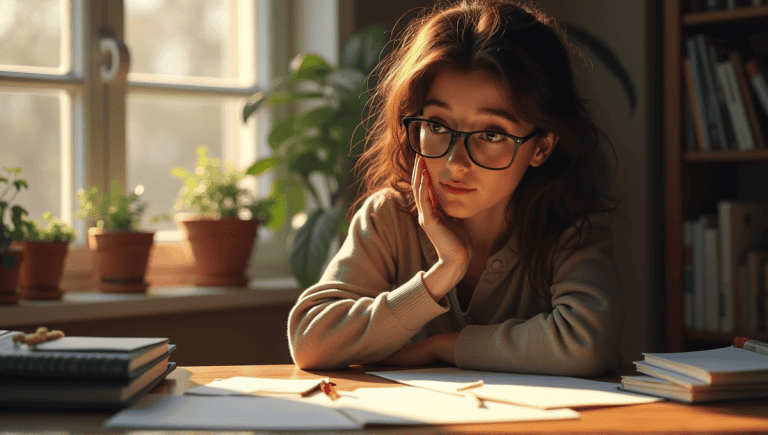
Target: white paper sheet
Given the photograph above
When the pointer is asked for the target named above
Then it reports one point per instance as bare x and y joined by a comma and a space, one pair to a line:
229, 413
537, 391
245, 385
411, 405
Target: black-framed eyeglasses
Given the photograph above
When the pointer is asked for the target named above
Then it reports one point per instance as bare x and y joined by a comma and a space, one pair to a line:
486, 148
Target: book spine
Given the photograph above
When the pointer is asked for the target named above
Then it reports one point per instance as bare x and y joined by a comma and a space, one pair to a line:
715, 123
735, 106
698, 275
696, 109
688, 290
750, 105
727, 129
759, 84
728, 280
712, 285
700, 92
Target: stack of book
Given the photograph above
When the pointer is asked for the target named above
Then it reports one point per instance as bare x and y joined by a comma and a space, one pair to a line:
81, 371
728, 373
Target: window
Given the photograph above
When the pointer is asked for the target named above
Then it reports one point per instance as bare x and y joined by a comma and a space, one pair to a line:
192, 63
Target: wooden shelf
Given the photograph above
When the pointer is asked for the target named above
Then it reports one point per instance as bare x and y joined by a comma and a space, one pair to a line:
744, 14
727, 156
696, 181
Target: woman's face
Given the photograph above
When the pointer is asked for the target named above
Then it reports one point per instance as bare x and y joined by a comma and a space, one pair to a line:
472, 101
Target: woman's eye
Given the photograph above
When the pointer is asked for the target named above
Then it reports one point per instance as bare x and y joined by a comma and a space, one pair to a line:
492, 137
436, 128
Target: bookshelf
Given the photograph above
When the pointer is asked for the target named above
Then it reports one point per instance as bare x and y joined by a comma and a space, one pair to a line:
695, 181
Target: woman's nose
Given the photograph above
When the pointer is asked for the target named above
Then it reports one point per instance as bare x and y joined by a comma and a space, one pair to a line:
458, 156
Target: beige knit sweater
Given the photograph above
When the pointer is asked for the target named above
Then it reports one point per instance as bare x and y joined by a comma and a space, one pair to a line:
371, 300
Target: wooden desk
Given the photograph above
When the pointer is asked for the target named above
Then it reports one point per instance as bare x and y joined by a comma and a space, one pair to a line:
745, 416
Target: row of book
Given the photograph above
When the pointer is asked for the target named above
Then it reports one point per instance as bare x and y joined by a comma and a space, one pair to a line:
726, 269
715, 5
81, 372
727, 96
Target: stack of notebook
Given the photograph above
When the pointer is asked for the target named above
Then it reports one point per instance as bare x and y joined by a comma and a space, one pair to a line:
81, 371
701, 376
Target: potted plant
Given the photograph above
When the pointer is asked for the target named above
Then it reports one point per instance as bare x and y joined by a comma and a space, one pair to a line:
221, 229
313, 147
315, 144
122, 250
10, 256
45, 250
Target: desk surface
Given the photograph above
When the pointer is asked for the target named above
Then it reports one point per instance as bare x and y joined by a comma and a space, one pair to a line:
744, 416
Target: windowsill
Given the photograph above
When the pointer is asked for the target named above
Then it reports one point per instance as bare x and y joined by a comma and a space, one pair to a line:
157, 301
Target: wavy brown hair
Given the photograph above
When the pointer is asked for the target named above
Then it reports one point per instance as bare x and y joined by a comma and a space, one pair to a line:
529, 53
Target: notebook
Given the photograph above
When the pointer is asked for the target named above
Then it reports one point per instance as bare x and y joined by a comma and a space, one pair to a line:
78, 393
728, 365
100, 357
694, 393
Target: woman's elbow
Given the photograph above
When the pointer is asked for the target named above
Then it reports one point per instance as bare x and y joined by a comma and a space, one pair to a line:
308, 357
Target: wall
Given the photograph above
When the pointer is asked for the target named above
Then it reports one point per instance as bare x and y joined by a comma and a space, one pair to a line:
624, 25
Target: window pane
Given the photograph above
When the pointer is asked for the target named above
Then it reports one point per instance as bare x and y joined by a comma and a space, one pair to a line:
30, 128
182, 39
164, 133
31, 33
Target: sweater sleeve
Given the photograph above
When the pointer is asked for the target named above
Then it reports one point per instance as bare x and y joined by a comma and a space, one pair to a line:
354, 314
579, 337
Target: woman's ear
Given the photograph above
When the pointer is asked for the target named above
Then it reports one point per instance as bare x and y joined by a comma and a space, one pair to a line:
544, 147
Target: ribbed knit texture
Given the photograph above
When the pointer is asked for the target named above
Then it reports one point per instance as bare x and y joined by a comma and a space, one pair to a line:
371, 301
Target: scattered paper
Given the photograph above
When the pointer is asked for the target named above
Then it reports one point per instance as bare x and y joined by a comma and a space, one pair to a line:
411, 405
229, 413
537, 391
245, 386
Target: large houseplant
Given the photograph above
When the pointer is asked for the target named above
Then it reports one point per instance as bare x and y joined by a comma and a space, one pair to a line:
222, 228
10, 256
122, 249
311, 149
315, 144
45, 250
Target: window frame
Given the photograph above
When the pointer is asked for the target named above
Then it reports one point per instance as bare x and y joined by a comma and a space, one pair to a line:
96, 105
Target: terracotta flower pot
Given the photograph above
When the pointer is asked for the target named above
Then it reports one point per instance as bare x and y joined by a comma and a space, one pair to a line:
9, 278
219, 249
41, 270
122, 258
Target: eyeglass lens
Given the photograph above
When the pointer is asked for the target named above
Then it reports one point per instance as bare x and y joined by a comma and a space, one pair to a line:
486, 148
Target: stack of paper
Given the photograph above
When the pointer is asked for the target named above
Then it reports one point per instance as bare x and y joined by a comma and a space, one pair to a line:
429, 396
701, 376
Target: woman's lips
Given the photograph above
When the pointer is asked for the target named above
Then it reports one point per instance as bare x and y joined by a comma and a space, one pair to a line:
454, 189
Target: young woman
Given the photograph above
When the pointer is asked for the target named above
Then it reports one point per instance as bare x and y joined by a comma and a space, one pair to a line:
483, 237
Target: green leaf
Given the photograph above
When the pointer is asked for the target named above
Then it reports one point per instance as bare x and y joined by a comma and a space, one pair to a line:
316, 117
277, 98
276, 210
312, 243
282, 131
19, 184
308, 66
265, 164
364, 48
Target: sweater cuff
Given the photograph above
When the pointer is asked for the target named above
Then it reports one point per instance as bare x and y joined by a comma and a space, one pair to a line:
473, 347
413, 305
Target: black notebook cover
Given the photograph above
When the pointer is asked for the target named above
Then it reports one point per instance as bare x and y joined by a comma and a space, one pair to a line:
79, 357
78, 393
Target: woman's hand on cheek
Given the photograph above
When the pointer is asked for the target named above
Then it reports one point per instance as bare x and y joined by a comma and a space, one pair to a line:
450, 240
